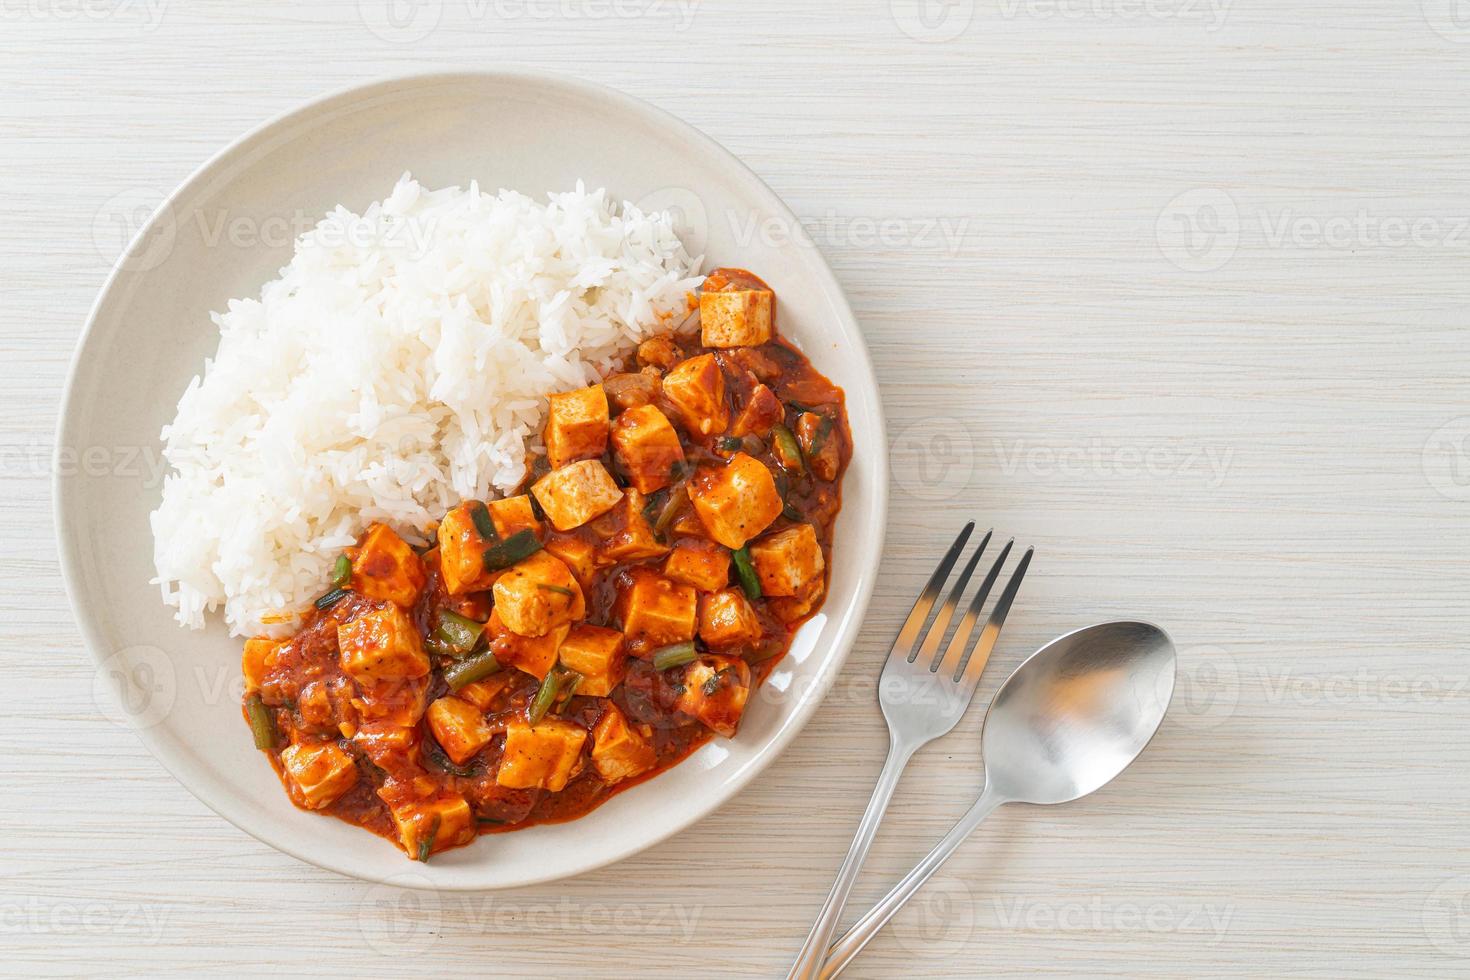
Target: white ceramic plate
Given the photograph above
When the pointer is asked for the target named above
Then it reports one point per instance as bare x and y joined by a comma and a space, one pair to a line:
225, 232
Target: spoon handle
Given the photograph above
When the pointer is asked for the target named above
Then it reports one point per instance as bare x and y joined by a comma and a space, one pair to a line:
808, 963
852, 942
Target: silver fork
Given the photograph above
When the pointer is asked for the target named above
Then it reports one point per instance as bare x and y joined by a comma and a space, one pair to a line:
923, 697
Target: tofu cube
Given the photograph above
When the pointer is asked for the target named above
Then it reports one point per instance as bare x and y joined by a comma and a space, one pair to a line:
760, 413
541, 757
459, 727
256, 660
696, 387
578, 554
387, 568
788, 561
618, 751
702, 564
596, 653
736, 317
576, 493
715, 691
513, 514
483, 693
790, 608
317, 773
535, 655
727, 619
381, 645
647, 447
576, 426
537, 594
630, 537
435, 824
655, 611
385, 744
736, 501
462, 550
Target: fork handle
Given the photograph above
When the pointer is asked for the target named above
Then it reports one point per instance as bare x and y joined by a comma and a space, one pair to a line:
808, 963
852, 943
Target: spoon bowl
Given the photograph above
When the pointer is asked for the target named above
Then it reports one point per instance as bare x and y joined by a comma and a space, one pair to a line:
1077, 712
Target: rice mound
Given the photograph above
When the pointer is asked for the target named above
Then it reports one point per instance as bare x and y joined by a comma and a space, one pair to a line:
398, 365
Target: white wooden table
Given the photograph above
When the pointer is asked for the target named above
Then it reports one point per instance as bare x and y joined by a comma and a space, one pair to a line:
1173, 289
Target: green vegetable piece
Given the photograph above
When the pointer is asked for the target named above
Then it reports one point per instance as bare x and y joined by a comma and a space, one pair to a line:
341, 572
674, 655
545, 694
262, 722
506, 553
558, 589
480, 515
331, 599
471, 669
745, 572
456, 635
788, 453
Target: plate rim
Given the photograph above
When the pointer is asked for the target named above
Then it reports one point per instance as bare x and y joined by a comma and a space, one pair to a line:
414, 875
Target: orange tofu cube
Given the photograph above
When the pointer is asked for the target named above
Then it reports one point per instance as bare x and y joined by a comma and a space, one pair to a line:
790, 608
513, 514
426, 826
760, 413
255, 660
576, 426
596, 653
736, 317
702, 564
727, 619
386, 744
618, 751
541, 757
537, 594
578, 554
576, 493
387, 569
462, 549
392, 703
647, 447
482, 693
715, 691
381, 645
318, 773
535, 655
736, 501
788, 561
655, 611
459, 728
696, 387
631, 537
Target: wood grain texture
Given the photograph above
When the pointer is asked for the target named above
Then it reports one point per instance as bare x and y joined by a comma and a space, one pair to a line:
1175, 292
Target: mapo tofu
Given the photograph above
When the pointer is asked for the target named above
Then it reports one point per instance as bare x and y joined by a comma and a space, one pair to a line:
541, 652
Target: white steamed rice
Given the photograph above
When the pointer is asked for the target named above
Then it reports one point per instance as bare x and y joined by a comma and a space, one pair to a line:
398, 365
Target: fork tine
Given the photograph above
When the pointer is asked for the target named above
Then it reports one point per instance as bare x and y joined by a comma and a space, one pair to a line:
909, 634
981, 654
940, 626
955, 653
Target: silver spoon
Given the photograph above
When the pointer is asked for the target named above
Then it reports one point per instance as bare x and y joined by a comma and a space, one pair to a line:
1066, 721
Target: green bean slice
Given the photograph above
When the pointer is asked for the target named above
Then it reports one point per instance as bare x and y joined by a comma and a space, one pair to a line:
674, 655
745, 572
262, 722
471, 669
